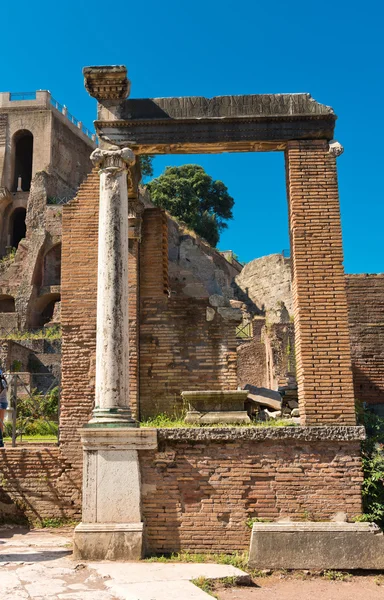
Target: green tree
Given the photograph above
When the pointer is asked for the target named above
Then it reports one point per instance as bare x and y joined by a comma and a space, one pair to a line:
191, 195
146, 165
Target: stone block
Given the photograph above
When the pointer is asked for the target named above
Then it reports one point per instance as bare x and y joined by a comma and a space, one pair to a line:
215, 406
263, 396
224, 417
108, 541
215, 400
313, 545
230, 314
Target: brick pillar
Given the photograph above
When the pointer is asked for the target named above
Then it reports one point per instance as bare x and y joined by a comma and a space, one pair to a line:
323, 356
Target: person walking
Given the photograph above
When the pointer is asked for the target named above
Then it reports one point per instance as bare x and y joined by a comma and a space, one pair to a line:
3, 405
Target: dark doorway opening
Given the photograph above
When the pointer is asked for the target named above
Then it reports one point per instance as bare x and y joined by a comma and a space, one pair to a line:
7, 304
18, 226
23, 160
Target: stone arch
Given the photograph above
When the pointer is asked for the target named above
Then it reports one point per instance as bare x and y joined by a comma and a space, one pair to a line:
7, 303
43, 309
17, 226
52, 266
22, 152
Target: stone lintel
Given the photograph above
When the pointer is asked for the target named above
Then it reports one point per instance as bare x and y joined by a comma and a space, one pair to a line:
107, 82
223, 107
262, 434
125, 438
215, 135
309, 545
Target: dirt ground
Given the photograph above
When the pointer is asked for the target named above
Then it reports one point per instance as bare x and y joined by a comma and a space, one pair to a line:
277, 587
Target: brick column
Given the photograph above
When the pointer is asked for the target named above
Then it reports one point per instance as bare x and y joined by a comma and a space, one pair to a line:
323, 356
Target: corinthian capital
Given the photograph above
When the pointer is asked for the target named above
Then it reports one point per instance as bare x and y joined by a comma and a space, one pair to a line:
335, 148
113, 161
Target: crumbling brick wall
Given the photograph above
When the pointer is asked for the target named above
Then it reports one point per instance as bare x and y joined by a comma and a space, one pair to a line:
251, 358
200, 488
365, 295
179, 349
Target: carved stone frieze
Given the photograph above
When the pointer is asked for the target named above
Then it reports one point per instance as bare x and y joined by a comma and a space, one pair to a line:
107, 83
215, 135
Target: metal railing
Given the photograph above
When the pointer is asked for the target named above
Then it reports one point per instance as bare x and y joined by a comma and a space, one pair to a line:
14, 96
244, 331
33, 414
64, 111
59, 200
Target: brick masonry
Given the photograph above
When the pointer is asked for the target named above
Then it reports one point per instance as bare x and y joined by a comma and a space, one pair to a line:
38, 483
365, 295
323, 356
199, 493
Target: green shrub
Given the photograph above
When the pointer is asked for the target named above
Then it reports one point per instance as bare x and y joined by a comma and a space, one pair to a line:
373, 467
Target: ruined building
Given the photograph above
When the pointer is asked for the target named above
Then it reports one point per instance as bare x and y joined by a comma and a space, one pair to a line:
44, 156
268, 357
179, 314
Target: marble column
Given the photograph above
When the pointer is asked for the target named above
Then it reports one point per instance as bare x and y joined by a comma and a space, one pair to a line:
112, 341
111, 527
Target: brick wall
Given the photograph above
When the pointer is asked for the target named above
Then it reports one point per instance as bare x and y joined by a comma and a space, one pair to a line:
323, 355
38, 483
78, 315
365, 295
251, 358
199, 490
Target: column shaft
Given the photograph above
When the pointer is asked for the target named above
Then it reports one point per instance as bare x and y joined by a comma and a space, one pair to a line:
112, 335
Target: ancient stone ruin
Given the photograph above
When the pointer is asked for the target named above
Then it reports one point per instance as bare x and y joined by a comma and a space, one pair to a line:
150, 311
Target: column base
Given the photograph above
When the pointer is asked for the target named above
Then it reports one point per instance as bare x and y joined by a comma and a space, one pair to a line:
112, 417
108, 541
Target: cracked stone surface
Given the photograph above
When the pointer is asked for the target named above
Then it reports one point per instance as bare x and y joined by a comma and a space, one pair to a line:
37, 565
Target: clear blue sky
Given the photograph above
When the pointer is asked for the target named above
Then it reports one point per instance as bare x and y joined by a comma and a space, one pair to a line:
334, 50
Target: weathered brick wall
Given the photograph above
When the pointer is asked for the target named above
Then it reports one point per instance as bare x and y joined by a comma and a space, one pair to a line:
365, 295
251, 358
324, 370
200, 489
179, 349
38, 483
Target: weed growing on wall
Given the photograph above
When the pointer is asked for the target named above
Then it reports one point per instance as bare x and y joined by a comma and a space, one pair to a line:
373, 467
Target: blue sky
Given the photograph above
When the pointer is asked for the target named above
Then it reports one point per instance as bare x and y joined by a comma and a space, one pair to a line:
333, 50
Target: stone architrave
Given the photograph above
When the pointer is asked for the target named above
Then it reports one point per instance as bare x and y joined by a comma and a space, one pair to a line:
111, 527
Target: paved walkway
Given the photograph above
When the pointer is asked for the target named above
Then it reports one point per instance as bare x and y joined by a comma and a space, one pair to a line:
37, 565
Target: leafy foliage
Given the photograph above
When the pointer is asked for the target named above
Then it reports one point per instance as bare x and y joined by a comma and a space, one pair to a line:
146, 165
191, 195
373, 467
37, 414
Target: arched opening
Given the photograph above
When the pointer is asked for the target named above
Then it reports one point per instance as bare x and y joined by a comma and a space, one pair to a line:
52, 266
18, 227
7, 304
47, 308
23, 153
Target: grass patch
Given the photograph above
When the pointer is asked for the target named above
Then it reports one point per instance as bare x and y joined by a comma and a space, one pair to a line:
54, 523
48, 333
337, 575
168, 421
205, 584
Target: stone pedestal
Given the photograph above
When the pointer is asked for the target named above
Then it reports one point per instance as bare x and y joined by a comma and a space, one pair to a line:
111, 528
214, 406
